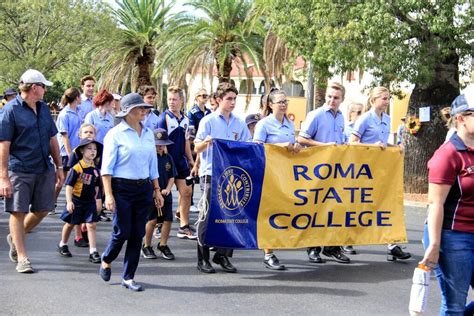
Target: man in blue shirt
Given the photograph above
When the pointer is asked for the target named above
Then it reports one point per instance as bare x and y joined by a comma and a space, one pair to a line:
221, 124
27, 176
152, 117
195, 115
86, 106
176, 124
322, 126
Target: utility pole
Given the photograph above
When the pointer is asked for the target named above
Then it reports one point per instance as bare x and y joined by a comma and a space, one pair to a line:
310, 89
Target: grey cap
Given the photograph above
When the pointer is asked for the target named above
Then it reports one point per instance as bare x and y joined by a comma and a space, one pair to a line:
34, 76
463, 102
129, 102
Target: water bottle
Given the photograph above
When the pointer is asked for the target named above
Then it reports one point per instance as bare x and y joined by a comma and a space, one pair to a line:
419, 290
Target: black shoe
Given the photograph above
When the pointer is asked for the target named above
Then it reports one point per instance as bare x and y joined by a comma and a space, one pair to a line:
148, 253
273, 263
205, 267
313, 255
134, 286
349, 250
224, 262
336, 253
397, 253
165, 252
105, 273
103, 217
64, 251
81, 243
94, 257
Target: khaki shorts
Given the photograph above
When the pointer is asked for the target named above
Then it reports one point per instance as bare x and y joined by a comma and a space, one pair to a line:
31, 192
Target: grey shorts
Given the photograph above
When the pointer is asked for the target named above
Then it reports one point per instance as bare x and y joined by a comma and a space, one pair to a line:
35, 190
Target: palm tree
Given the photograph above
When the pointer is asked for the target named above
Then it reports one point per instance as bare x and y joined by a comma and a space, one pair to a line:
228, 31
127, 60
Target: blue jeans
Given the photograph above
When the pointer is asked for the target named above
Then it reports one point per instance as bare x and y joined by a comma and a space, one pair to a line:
455, 270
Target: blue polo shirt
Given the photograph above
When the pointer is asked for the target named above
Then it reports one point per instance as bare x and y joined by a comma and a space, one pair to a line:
129, 155
348, 131
270, 130
216, 126
102, 123
151, 120
371, 129
177, 129
29, 134
85, 107
195, 116
68, 122
166, 169
323, 126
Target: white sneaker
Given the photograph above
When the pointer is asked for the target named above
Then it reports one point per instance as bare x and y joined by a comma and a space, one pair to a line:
193, 209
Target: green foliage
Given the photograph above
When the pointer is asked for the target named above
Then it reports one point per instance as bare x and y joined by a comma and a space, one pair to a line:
51, 36
399, 40
126, 60
226, 31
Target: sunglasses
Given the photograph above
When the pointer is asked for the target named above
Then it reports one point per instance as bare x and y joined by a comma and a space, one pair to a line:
467, 113
39, 84
204, 95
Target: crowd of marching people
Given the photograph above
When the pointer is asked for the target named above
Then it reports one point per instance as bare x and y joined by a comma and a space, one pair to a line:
119, 155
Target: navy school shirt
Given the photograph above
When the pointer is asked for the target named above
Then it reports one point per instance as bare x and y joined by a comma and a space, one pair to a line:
195, 116
84, 179
177, 129
29, 134
166, 170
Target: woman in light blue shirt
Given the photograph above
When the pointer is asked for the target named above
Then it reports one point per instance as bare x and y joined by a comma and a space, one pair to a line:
354, 111
373, 127
101, 118
276, 128
130, 178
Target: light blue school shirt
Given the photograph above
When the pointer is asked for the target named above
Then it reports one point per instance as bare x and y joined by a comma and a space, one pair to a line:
371, 129
348, 131
216, 126
102, 123
151, 121
323, 126
129, 155
270, 130
85, 107
69, 122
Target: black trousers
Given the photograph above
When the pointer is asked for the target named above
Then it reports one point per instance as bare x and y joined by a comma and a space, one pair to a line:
202, 249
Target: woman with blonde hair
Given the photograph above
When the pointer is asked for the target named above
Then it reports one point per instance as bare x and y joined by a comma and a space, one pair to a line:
354, 111
373, 127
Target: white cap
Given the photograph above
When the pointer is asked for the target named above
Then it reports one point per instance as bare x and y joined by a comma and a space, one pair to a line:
117, 96
34, 76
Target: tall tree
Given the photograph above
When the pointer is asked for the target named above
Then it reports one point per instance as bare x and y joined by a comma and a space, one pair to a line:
49, 36
227, 31
126, 60
421, 42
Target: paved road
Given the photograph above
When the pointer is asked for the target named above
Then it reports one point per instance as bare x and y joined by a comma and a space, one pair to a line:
368, 286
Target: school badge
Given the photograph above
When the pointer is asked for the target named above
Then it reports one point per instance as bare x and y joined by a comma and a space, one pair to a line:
234, 190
